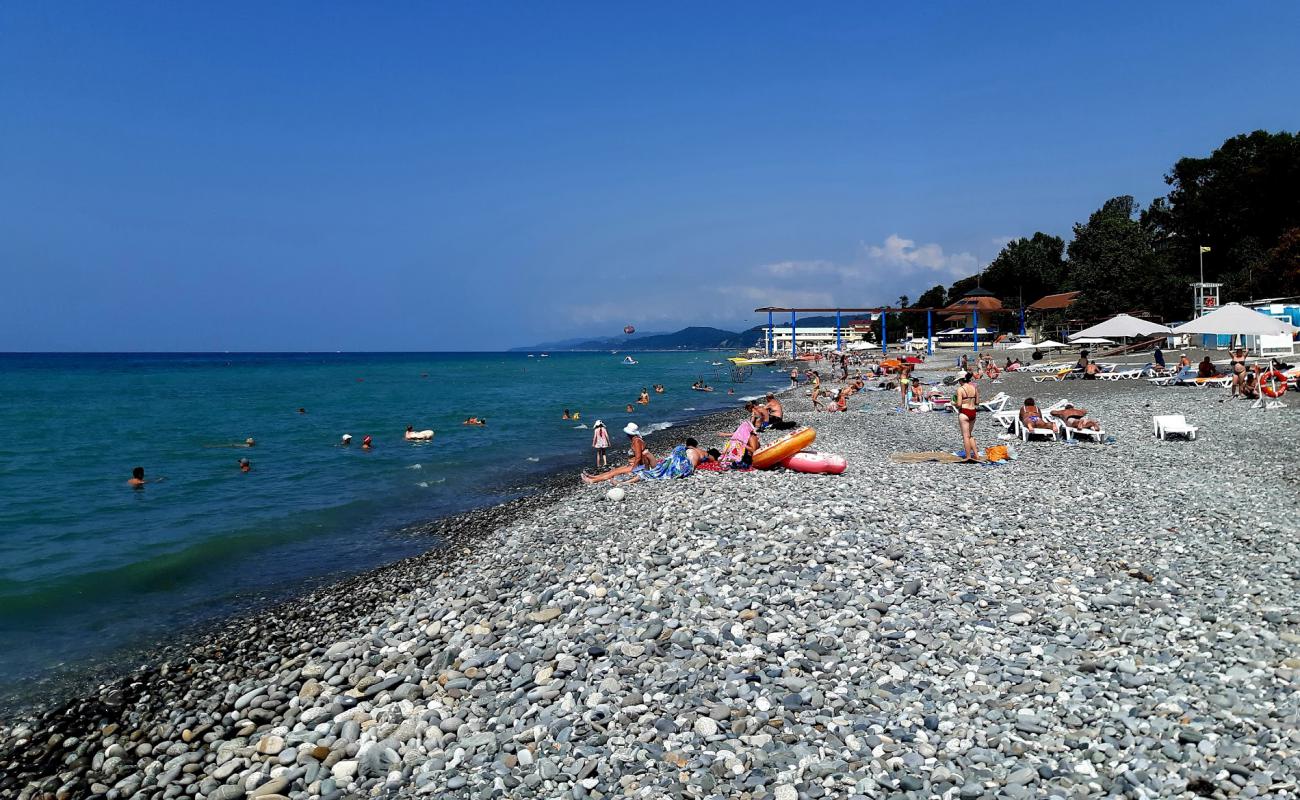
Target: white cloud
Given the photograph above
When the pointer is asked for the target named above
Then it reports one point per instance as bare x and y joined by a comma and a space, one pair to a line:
905, 254
782, 269
876, 275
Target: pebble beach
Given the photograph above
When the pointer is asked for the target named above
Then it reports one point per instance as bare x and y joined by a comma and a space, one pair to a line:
1088, 620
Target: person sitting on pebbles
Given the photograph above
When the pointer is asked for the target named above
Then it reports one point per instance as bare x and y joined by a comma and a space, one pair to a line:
680, 463
1076, 418
1032, 418
638, 457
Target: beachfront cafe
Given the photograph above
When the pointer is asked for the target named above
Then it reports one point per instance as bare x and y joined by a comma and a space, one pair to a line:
964, 316
812, 339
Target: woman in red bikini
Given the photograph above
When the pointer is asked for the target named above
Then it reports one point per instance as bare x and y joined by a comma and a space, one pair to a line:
968, 403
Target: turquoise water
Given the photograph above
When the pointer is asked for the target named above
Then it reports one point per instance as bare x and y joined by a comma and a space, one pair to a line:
89, 566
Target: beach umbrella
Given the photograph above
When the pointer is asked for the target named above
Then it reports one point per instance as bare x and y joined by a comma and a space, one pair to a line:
1234, 319
1121, 326
860, 346
1049, 345
1023, 344
1089, 340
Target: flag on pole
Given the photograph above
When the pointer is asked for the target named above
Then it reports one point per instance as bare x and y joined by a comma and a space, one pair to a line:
1204, 249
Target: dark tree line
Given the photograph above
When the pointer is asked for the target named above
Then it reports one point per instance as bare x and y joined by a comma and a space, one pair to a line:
1242, 201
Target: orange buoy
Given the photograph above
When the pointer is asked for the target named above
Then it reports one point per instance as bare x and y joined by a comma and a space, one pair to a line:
1272, 384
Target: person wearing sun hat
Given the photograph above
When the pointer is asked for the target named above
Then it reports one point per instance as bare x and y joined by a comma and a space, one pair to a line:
600, 442
638, 456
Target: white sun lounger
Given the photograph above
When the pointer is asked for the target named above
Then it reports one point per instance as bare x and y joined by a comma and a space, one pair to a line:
1166, 425
996, 403
1026, 433
1120, 374
1071, 433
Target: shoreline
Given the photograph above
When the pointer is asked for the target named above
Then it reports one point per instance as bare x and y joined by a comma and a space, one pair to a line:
122, 677
1060, 625
28, 692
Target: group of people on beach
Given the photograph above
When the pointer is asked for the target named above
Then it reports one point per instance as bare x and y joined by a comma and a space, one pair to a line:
737, 453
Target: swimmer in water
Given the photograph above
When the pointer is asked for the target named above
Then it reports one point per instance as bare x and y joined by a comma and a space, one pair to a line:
474, 421
566, 415
249, 442
577, 415
302, 411
630, 409
347, 439
365, 443
644, 399
244, 466
137, 480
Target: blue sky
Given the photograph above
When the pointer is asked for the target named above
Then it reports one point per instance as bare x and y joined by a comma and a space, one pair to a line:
184, 176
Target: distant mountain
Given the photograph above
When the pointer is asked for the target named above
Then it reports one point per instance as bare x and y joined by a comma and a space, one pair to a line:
584, 343
693, 338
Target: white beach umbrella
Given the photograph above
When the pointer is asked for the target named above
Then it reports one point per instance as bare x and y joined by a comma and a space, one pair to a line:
1089, 340
1023, 344
1121, 325
1234, 319
1049, 345
860, 346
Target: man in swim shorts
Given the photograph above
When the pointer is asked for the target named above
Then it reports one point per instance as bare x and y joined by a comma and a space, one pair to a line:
1076, 418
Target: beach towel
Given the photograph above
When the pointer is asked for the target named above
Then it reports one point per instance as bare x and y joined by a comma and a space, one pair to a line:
676, 465
734, 452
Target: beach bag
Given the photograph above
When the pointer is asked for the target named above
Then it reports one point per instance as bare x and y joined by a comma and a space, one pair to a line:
999, 452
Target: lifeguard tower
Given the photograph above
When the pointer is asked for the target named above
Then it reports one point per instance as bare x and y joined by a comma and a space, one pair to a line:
1205, 298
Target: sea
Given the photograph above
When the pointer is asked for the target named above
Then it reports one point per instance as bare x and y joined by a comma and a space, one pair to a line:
93, 571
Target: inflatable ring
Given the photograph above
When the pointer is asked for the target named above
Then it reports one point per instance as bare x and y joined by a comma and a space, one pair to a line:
783, 448
1272, 384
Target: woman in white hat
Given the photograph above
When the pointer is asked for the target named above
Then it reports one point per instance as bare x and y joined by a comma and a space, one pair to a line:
639, 456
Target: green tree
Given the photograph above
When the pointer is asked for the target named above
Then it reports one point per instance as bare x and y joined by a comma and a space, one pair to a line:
934, 297
1239, 201
1027, 269
960, 288
1115, 263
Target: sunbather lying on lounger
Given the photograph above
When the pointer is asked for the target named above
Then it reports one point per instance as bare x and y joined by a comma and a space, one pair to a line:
1034, 419
1077, 418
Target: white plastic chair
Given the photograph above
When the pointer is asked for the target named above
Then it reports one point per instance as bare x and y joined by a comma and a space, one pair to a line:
996, 403
1166, 425
1006, 419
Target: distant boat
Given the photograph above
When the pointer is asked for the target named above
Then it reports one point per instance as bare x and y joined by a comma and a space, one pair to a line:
629, 360
546, 355
749, 362
530, 355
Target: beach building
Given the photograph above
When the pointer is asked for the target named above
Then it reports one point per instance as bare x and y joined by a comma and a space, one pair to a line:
812, 339
970, 317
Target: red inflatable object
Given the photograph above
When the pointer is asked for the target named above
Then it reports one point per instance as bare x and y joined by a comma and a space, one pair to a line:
825, 463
